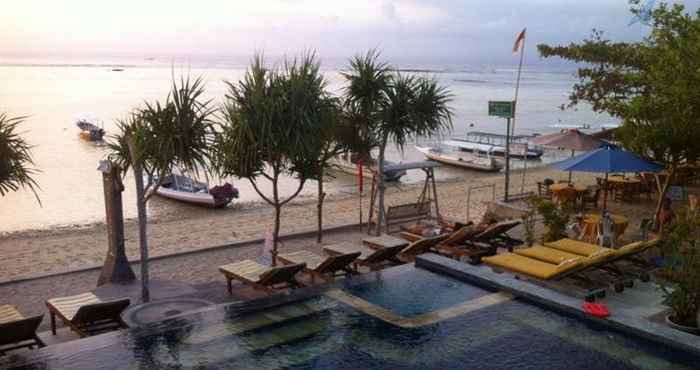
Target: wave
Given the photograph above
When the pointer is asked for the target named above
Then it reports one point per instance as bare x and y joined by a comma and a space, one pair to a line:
470, 80
69, 65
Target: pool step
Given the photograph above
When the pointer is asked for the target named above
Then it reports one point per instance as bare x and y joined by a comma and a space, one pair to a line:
257, 320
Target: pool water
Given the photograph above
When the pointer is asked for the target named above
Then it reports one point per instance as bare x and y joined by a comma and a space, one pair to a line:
322, 332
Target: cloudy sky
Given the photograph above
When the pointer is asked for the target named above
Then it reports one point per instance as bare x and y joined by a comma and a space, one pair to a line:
442, 29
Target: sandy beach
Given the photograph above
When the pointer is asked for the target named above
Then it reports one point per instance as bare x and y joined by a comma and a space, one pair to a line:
44, 252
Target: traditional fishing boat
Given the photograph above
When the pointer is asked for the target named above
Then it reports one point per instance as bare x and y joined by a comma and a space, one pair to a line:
90, 129
495, 144
348, 164
471, 161
189, 190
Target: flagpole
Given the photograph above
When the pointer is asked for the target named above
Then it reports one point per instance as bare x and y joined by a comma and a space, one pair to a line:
511, 129
520, 68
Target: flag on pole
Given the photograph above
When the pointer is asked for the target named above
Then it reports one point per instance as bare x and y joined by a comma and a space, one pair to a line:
519, 41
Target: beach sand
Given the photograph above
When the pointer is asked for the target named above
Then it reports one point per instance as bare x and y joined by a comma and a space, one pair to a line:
44, 252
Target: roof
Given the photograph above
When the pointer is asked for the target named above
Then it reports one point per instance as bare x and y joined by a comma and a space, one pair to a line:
411, 166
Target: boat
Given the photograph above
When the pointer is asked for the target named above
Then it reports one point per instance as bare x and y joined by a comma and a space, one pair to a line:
564, 126
89, 129
188, 190
495, 144
459, 158
348, 163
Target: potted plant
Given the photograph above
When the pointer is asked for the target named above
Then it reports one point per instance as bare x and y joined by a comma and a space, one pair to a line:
555, 218
682, 289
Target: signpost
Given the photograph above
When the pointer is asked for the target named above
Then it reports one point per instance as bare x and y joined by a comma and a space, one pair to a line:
504, 109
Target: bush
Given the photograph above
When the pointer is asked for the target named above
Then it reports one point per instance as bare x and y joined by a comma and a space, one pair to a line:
555, 218
682, 291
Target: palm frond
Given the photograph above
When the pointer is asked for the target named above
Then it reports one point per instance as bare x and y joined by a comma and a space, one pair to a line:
16, 163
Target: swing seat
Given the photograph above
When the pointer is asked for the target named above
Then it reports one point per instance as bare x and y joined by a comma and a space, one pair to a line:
407, 212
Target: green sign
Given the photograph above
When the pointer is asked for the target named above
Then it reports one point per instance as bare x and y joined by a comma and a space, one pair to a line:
503, 109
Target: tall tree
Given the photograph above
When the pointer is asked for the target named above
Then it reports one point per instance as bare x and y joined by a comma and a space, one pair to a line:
269, 121
16, 163
389, 107
156, 139
650, 85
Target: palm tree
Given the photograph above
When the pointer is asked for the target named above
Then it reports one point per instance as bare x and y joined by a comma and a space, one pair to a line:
156, 139
16, 163
270, 127
391, 107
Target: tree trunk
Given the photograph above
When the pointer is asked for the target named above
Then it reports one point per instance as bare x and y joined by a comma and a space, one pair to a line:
663, 190
143, 234
319, 212
380, 181
143, 219
278, 210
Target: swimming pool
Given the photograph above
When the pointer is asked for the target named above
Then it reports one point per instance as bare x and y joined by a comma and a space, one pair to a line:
401, 318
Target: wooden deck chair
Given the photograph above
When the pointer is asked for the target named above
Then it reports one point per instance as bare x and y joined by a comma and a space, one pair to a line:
326, 268
86, 314
462, 243
17, 331
421, 246
372, 258
260, 276
497, 235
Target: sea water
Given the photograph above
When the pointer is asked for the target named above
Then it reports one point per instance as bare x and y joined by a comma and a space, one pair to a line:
53, 92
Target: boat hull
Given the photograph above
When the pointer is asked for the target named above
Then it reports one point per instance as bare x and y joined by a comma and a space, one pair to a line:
480, 148
200, 199
457, 161
351, 169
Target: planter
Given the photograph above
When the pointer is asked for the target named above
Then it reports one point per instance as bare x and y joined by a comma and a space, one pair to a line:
688, 329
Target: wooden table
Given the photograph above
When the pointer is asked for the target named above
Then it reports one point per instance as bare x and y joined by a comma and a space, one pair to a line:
591, 227
625, 187
384, 241
567, 192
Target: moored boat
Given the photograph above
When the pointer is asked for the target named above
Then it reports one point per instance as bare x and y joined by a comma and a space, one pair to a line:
461, 159
90, 129
345, 163
495, 144
189, 190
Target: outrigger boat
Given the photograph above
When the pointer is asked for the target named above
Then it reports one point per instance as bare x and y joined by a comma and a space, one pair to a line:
189, 190
495, 144
90, 131
460, 159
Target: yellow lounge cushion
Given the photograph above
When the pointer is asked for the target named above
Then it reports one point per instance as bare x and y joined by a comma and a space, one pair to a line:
575, 247
636, 247
530, 266
9, 314
546, 254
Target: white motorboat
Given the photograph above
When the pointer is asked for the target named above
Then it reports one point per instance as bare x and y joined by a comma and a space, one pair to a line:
461, 159
345, 163
189, 190
495, 144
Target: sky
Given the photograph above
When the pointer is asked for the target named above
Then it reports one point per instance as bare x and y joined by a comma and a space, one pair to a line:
468, 30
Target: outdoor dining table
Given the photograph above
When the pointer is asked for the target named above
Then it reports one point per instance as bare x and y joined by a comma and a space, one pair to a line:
563, 192
627, 186
384, 241
591, 227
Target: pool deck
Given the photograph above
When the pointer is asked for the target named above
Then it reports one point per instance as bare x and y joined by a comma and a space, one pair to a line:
634, 312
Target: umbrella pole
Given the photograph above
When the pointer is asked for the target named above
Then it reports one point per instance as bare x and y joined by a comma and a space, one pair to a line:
605, 193
572, 155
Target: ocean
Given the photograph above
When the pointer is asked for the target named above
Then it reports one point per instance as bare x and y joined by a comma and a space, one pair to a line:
53, 92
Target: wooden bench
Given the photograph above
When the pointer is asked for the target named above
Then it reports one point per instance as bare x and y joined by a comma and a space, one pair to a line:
407, 212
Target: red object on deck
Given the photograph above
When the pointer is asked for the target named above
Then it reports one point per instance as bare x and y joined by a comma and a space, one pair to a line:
596, 309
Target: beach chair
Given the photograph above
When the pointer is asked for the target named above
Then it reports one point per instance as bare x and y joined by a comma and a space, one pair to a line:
86, 314
326, 268
497, 235
17, 331
420, 246
374, 259
260, 276
463, 243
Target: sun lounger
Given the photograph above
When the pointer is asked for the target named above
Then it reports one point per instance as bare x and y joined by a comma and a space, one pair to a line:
260, 276
463, 243
324, 267
17, 331
546, 254
372, 258
421, 246
497, 235
86, 314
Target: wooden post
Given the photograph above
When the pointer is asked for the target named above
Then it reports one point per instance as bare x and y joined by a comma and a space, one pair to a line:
116, 269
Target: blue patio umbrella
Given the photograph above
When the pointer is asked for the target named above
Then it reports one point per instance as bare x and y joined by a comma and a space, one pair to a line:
608, 159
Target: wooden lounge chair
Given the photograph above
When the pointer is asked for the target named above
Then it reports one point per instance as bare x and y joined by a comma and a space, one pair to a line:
86, 314
497, 234
327, 268
17, 331
421, 246
372, 258
462, 243
260, 276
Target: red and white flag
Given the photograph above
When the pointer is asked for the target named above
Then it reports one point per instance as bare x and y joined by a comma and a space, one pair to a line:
519, 41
